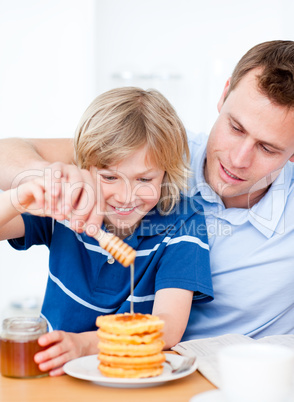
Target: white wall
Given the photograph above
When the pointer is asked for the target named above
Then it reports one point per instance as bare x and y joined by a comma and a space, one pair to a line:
57, 55
47, 65
46, 81
198, 41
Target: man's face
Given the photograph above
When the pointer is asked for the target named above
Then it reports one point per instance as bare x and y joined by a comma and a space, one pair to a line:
250, 142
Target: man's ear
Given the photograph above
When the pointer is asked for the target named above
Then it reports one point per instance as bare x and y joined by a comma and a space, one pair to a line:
292, 158
222, 98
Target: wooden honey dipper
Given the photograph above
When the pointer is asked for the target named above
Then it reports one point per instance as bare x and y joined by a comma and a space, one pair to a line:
120, 250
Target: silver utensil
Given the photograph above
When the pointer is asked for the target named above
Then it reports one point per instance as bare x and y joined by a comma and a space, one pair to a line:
185, 364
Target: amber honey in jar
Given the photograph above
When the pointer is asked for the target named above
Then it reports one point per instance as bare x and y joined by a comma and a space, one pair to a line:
18, 346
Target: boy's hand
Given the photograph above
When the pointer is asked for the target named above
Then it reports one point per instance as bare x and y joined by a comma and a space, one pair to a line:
62, 347
64, 192
29, 197
75, 193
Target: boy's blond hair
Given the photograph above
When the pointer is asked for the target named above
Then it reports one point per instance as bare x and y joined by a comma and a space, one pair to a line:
121, 121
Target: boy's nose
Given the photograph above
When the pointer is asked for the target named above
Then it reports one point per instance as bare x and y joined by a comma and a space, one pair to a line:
125, 194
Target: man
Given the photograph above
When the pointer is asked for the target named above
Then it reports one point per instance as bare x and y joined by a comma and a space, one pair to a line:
243, 177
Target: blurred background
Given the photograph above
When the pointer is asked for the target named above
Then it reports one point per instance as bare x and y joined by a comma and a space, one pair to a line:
57, 55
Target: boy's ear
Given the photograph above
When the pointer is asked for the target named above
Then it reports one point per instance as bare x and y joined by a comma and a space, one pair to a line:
222, 98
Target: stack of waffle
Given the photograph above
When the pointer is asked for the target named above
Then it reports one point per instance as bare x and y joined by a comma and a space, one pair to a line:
130, 345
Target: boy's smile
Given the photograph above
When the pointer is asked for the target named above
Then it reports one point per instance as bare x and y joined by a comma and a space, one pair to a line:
130, 189
124, 211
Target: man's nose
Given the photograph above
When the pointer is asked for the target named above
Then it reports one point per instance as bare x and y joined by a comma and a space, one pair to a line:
242, 154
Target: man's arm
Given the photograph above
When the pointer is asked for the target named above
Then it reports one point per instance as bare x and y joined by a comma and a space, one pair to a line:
19, 155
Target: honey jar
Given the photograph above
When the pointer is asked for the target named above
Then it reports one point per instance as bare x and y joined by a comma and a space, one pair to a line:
19, 344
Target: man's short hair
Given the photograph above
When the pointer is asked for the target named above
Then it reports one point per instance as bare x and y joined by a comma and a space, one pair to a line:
275, 76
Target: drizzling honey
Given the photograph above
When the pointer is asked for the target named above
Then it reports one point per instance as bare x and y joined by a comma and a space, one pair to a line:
132, 270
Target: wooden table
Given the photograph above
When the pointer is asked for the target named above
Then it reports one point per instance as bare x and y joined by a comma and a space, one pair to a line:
69, 389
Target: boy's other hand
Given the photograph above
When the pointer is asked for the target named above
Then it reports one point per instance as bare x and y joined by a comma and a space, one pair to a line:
64, 346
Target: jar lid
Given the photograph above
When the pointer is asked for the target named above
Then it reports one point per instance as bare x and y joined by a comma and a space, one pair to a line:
23, 328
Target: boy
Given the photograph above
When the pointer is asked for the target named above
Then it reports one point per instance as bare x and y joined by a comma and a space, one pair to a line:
132, 142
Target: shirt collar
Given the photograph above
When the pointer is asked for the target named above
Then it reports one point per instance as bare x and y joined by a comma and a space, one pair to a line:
154, 223
267, 213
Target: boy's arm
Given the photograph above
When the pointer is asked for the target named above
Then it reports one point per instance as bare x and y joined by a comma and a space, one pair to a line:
28, 155
173, 306
11, 223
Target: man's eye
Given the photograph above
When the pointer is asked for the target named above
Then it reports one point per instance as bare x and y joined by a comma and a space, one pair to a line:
236, 129
265, 149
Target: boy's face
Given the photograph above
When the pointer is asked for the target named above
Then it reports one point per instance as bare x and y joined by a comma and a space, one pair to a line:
131, 189
250, 142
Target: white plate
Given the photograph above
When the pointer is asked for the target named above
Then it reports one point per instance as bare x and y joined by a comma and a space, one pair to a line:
210, 396
85, 368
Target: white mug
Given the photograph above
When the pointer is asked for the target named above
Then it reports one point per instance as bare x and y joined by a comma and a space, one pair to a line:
256, 372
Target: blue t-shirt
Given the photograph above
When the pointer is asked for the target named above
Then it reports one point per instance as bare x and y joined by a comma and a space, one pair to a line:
172, 252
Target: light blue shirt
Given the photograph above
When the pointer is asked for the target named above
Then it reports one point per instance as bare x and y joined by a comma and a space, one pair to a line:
252, 258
